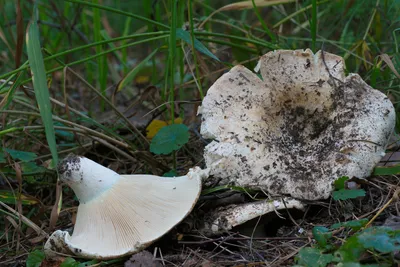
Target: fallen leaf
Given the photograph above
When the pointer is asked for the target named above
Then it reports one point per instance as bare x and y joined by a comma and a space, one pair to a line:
156, 125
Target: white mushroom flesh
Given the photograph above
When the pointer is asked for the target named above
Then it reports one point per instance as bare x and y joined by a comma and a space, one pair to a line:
296, 130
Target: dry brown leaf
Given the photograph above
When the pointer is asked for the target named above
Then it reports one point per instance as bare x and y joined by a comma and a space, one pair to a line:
37, 239
246, 5
388, 61
249, 4
55, 212
20, 34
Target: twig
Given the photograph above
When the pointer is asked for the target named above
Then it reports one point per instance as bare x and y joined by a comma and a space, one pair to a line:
394, 197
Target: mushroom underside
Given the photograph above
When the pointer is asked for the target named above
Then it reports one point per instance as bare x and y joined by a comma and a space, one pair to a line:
127, 217
297, 129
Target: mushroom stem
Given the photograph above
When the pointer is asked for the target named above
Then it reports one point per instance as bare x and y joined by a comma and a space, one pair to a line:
87, 178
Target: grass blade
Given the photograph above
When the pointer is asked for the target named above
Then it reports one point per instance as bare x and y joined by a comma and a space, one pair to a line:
192, 39
132, 74
392, 170
125, 51
35, 58
101, 61
314, 25
185, 36
114, 10
262, 22
80, 49
42, 95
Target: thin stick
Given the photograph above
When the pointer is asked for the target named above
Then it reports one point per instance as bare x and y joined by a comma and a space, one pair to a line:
394, 197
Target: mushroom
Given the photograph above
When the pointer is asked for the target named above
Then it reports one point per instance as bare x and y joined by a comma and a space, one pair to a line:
296, 129
120, 214
224, 219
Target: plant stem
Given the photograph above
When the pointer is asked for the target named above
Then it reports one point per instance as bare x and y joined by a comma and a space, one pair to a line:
314, 25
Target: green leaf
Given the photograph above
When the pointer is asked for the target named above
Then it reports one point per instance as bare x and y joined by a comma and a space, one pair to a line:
378, 238
42, 95
321, 235
313, 257
132, 74
354, 224
185, 36
31, 167
35, 258
351, 250
392, 170
344, 194
379, 242
21, 155
169, 138
341, 182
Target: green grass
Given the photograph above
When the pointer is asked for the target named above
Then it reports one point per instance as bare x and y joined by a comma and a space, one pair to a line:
87, 69
40, 83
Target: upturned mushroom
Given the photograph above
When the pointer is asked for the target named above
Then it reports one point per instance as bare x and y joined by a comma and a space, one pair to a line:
120, 214
296, 129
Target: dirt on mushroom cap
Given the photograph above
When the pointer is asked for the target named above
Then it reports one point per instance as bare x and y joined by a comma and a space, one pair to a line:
296, 130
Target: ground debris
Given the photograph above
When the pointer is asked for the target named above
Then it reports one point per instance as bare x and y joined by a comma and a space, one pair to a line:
142, 259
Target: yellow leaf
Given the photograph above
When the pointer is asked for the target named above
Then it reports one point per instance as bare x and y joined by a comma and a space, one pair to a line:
179, 236
176, 121
142, 79
156, 125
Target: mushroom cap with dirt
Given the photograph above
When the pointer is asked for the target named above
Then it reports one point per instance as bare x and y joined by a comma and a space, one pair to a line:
120, 214
297, 128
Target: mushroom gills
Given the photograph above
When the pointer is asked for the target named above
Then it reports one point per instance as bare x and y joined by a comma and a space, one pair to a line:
128, 213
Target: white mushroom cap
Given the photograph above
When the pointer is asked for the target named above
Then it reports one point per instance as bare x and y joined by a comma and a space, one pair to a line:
296, 130
121, 214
